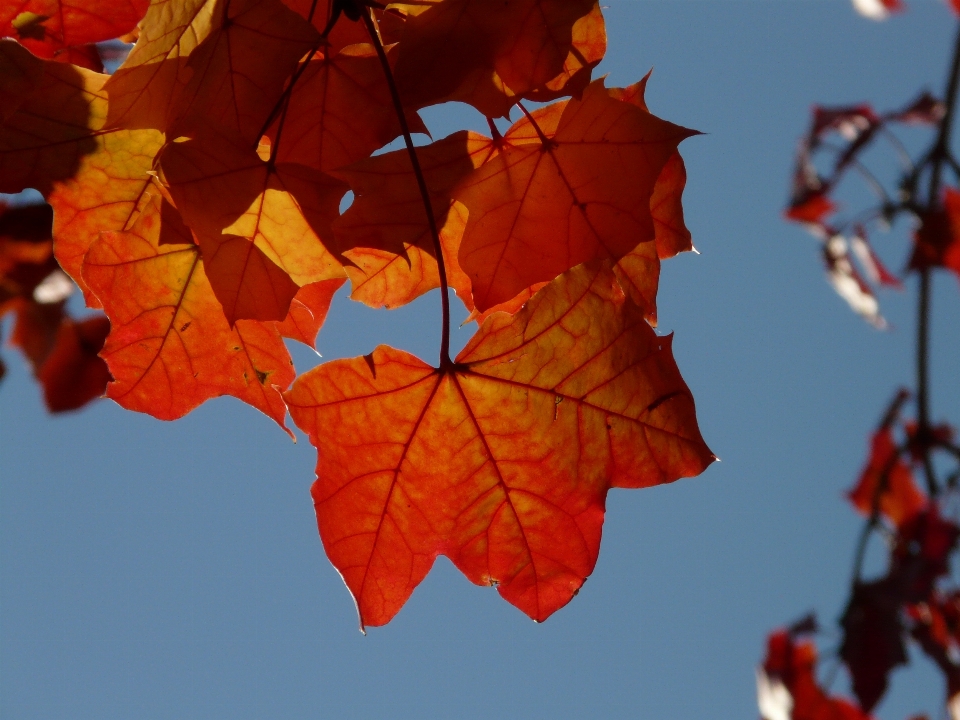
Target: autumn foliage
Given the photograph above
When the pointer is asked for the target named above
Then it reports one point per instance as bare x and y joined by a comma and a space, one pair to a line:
196, 195
908, 485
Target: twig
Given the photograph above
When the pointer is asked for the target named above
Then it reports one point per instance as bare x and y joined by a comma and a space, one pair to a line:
370, 23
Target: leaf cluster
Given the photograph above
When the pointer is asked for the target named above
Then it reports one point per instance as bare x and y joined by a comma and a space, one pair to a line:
196, 197
915, 598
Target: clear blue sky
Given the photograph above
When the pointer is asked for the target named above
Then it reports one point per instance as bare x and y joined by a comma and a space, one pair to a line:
173, 570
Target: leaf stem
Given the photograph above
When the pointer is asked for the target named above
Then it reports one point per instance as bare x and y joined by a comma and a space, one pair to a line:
939, 154
369, 22
547, 143
890, 416
923, 379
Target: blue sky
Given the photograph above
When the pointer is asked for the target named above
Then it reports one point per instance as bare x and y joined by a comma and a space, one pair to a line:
158, 570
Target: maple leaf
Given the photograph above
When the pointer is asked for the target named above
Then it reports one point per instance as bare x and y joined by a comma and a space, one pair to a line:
385, 233
230, 85
810, 207
144, 89
851, 121
937, 241
73, 374
308, 310
321, 12
899, 498
921, 554
261, 226
170, 347
57, 28
872, 638
339, 111
787, 687
52, 138
925, 110
502, 460
33, 288
537, 209
857, 124
639, 270
491, 55
201, 63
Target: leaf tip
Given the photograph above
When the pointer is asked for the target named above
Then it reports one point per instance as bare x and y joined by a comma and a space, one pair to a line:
368, 359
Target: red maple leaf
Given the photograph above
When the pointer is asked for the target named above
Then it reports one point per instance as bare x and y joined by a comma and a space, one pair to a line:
501, 461
937, 240
196, 198
787, 684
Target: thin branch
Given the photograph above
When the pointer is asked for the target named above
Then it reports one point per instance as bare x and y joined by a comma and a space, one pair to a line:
952, 162
282, 100
941, 150
898, 147
370, 23
547, 143
938, 156
865, 173
923, 379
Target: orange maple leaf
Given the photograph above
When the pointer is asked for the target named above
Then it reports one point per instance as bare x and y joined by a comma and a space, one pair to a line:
501, 461
57, 28
900, 499
62, 351
261, 225
170, 347
491, 55
344, 32
339, 111
52, 138
791, 665
538, 209
203, 62
308, 310
937, 241
385, 233
238, 71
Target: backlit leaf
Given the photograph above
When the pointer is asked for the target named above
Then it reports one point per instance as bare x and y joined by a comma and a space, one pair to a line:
937, 241
308, 310
791, 665
51, 28
226, 193
491, 55
73, 374
385, 233
899, 498
873, 642
339, 111
238, 71
170, 347
55, 142
535, 210
502, 461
